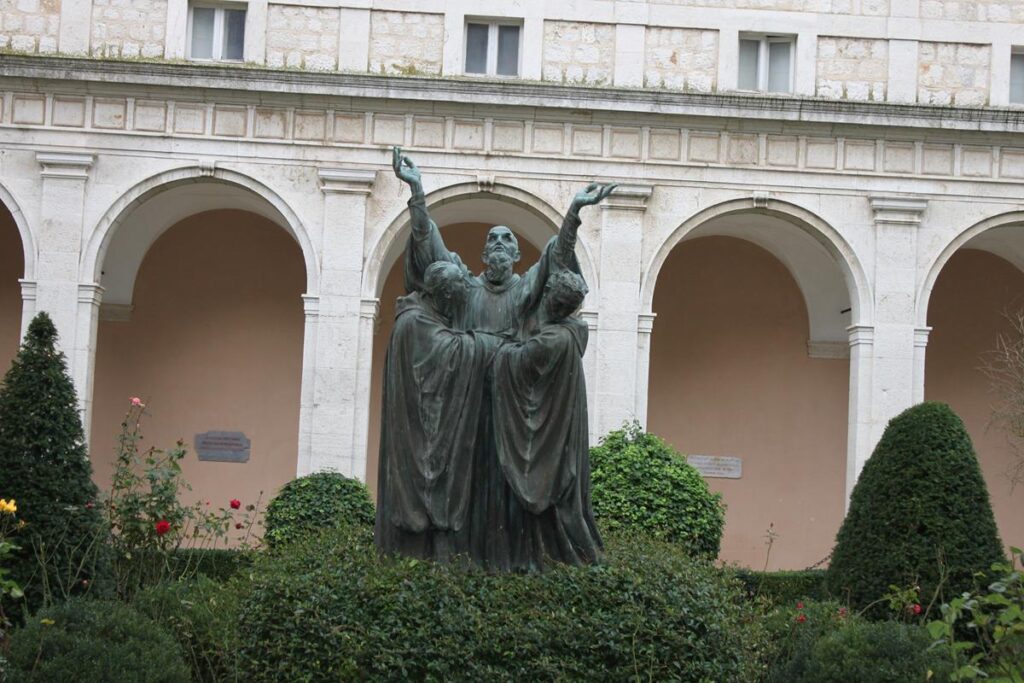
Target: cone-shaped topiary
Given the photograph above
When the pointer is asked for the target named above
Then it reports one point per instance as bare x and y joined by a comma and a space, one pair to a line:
44, 467
919, 514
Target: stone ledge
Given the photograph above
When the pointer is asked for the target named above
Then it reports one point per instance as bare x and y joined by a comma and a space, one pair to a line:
97, 76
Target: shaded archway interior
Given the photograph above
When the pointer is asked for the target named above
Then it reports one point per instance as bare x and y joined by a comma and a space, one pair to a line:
12, 268
214, 342
467, 240
967, 312
730, 375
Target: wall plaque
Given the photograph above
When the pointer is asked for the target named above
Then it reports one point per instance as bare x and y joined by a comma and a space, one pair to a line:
223, 446
719, 466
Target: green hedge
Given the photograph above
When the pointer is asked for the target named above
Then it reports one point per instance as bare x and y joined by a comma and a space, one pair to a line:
331, 609
317, 501
93, 641
219, 564
784, 587
640, 484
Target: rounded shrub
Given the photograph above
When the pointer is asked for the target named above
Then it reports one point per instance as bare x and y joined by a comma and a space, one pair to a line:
875, 652
94, 640
317, 501
640, 484
332, 609
919, 515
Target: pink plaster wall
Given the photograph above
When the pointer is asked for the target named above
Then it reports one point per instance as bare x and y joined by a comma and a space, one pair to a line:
214, 343
965, 312
465, 239
730, 375
12, 267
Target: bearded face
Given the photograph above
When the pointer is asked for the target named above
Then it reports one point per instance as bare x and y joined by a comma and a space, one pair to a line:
501, 252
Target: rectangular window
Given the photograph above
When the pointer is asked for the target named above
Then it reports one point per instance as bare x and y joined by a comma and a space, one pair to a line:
492, 48
1017, 77
216, 33
766, 63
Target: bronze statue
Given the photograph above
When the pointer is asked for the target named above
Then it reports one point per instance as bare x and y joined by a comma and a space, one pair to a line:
469, 439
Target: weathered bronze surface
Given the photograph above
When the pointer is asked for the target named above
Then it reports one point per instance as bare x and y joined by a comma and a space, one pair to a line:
484, 449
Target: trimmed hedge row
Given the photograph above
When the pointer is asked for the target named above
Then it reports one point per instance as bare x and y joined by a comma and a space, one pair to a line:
784, 587
328, 608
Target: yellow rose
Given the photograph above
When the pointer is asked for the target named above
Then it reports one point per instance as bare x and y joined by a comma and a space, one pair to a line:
8, 506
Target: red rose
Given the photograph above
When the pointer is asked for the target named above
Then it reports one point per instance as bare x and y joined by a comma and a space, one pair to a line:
799, 605
162, 527
235, 503
916, 608
239, 525
800, 618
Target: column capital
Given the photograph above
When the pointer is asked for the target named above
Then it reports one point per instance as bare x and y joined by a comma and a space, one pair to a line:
28, 289
369, 309
861, 334
898, 210
921, 336
346, 180
90, 293
645, 322
630, 197
311, 305
590, 318
64, 165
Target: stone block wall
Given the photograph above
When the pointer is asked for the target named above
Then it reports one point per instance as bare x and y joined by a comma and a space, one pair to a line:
852, 68
681, 58
953, 74
408, 43
303, 37
974, 10
128, 28
579, 52
29, 25
874, 8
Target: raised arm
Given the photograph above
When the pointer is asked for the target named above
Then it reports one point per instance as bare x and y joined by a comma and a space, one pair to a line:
425, 243
565, 245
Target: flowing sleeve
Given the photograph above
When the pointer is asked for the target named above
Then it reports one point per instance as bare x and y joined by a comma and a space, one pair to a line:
425, 245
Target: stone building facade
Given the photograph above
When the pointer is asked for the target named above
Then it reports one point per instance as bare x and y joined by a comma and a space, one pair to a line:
819, 221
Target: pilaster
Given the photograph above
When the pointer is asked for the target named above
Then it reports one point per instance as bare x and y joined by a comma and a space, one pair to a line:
339, 341
619, 359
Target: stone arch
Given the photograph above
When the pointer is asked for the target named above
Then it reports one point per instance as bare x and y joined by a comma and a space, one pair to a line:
992, 235
28, 244
534, 218
157, 195
812, 266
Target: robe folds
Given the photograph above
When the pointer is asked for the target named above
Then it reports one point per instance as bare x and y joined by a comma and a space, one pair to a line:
433, 387
539, 400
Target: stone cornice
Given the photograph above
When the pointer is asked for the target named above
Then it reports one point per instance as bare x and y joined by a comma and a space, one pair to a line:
343, 180
94, 76
64, 165
898, 210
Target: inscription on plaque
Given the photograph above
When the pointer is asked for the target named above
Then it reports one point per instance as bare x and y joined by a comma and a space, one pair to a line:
720, 466
223, 446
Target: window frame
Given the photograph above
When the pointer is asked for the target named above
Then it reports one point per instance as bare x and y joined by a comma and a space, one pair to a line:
220, 9
1015, 51
491, 66
764, 41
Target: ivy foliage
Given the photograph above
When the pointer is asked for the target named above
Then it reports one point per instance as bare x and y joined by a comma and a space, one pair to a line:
919, 515
45, 468
331, 608
640, 484
94, 640
316, 501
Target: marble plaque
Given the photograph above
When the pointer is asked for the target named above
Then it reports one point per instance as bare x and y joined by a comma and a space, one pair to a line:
720, 466
223, 446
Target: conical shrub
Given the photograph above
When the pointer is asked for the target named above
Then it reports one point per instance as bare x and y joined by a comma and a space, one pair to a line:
44, 467
919, 515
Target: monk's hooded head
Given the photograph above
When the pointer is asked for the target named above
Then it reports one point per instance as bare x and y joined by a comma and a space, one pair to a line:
445, 287
501, 252
563, 295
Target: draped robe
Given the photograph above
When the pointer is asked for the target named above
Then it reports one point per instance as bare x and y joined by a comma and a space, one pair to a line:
540, 397
433, 387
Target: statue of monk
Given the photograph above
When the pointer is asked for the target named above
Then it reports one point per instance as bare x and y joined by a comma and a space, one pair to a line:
498, 301
433, 386
539, 394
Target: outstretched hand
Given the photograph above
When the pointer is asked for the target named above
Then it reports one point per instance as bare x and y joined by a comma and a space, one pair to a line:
404, 167
592, 194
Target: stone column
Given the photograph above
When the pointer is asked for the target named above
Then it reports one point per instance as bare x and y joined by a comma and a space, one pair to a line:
74, 306
887, 358
335, 389
617, 386
644, 328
